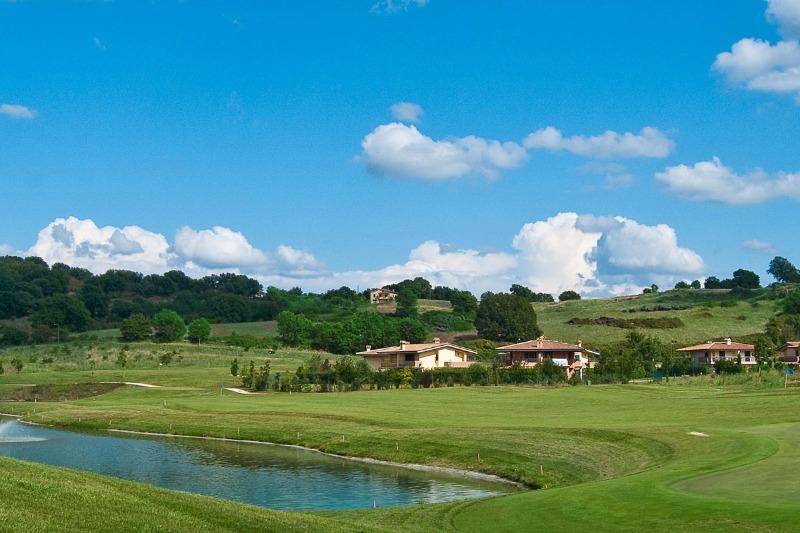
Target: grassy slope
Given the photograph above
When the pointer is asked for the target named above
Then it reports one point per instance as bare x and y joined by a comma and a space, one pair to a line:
590, 441
200, 366
42, 498
703, 319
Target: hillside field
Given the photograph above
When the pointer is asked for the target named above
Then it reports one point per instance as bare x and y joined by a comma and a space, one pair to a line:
703, 314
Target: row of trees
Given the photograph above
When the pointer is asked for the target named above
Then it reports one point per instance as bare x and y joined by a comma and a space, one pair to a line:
350, 374
165, 326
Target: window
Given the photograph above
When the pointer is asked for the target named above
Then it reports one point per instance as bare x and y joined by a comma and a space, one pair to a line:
530, 357
721, 354
747, 355
409, 358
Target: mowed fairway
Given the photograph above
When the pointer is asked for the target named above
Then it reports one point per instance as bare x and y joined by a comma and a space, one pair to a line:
611, 457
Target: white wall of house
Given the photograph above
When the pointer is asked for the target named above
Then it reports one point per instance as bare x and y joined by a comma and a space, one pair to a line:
429, 359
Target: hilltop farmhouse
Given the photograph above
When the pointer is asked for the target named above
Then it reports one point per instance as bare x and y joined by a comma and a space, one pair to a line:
382, 296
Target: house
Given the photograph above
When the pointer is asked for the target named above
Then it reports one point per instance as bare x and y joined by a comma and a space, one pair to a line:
436, 354
712, 351
380, 296
573, 357
790, 353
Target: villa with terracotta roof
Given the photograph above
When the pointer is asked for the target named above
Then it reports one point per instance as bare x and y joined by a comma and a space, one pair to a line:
434, 354
381, 296
710, 352
790, 353
573, 357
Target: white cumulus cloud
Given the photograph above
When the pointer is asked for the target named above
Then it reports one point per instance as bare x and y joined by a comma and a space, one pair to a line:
712, 180
786, 14
17, 111
397, 149
83, 244
406, 111
649, 142
591, 254
217, 247
758, 65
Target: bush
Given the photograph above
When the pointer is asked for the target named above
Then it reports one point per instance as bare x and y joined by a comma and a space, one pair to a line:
506, 317
568, 295
135, 328
11, 336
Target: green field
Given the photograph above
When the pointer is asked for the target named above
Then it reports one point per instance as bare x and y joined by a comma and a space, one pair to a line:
610, 457
705, 315
191, 365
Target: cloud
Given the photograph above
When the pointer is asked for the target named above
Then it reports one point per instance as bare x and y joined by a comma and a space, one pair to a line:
218, 247
298, 262
760, 247
615, 175
591, 254
600, 254
17, 111
6, 249
757, 65
397, 149
786, 14
406, 112
99, 44
711, 180
649, 142
82, 243
396, 6
626, 246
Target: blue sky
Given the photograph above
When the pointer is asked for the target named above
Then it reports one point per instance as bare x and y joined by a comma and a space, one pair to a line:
251, 118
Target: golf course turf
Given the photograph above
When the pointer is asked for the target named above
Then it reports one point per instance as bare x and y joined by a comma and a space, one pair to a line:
631, 457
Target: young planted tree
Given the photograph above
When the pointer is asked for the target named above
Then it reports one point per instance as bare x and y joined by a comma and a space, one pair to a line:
235, 367
199, 330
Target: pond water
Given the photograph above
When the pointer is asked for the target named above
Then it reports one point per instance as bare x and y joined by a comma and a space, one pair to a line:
271, 476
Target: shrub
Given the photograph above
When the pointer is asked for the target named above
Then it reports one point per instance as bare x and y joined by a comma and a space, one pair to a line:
135, 328
199, 330
568, 295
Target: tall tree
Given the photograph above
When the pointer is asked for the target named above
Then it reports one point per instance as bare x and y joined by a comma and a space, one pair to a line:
506, 317
168, 326
406, 303
783, 270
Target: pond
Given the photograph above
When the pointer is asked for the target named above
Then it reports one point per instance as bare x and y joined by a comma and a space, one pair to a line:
271, 476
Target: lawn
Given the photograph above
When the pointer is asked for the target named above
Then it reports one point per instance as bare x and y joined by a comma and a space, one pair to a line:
605, 457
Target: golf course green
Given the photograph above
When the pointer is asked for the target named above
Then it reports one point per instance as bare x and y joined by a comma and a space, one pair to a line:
675, 457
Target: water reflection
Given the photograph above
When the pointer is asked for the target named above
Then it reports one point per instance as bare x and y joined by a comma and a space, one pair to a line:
270, 476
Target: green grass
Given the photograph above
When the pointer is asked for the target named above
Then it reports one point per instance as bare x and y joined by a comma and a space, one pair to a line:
700, 311
192, 366
43, 498
257, 329
611, 457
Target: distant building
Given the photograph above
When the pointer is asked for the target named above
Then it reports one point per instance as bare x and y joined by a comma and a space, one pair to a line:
380, 296
434, 354
712, 351
790, 352
573, 357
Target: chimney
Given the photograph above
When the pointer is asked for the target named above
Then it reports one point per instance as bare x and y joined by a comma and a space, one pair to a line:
580, 344
403, 345
369, 347
437, 340
728, 341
